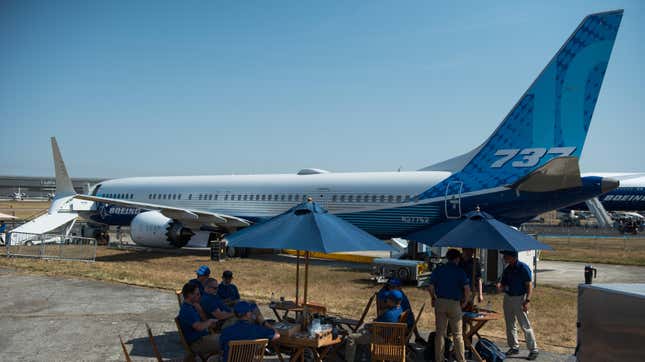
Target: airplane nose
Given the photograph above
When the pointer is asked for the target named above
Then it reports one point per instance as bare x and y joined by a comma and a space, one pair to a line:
607, 184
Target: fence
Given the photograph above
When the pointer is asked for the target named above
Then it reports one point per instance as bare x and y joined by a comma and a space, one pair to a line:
51, 246
591, 244
571, 231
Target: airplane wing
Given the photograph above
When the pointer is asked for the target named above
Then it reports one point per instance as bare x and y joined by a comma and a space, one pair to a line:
46, 223
181, 214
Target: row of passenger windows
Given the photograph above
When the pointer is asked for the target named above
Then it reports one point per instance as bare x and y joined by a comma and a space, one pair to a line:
283, 197
264, 197
119, 196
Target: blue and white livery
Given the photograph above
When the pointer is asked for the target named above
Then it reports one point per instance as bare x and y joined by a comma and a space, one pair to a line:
529, 165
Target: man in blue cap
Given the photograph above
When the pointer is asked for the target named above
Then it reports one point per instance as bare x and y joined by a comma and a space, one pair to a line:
391, 314
226, 289
395, 284
244, 329
212, 304
194, 329
517, 287
393, 308
203, 273
449, 289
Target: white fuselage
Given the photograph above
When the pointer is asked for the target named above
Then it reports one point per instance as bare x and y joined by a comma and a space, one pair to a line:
260, 196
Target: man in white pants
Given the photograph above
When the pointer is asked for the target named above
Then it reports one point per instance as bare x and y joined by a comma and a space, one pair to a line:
517, 287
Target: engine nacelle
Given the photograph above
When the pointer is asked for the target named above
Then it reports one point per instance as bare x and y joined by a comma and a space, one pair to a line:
153, 229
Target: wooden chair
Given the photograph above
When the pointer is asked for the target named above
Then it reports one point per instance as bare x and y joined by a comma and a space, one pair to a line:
317, 308
247, 351
414, 326
180, 297
387, 341
190, 355
125, 350
403, 318
380, 305
154, 344
355, 324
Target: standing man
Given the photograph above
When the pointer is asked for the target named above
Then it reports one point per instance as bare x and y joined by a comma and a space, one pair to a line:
450, 292
516, 284
3, 227
466, 264
203, 273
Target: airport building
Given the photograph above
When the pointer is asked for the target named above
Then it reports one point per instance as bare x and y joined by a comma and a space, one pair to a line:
39, 187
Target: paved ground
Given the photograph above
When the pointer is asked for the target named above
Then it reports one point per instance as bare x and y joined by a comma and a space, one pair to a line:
570, 274
50, 319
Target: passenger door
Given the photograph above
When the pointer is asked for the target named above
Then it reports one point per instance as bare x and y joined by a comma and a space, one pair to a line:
453, 199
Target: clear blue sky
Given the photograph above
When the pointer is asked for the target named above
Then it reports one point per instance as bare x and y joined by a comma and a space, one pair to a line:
219, 87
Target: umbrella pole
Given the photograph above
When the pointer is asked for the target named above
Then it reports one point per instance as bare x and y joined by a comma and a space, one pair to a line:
297, 276
473, 282
306, 274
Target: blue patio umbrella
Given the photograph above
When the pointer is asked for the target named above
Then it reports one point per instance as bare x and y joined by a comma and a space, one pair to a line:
310, 228
477, 230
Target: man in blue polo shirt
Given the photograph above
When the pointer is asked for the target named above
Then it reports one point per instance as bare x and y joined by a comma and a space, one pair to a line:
393, 308
194, 329
390, 314
226, 289
203, 273
244, 329
395, 284
449, 289
517, 287
212, 304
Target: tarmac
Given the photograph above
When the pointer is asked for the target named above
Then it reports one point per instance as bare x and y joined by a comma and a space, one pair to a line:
54, 319
570, 274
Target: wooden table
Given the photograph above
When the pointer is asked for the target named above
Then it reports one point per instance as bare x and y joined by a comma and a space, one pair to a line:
474, 325
282, 309
321, 347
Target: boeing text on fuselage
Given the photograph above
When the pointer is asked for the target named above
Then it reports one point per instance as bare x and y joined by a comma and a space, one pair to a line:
528, 165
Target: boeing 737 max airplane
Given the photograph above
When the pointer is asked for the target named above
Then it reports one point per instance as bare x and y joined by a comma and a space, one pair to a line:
529, 165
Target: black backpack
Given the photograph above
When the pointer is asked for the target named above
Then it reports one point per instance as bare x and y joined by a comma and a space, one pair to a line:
428, 353
489, 351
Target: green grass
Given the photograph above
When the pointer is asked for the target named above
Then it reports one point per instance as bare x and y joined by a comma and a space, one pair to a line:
622, 251
343, 288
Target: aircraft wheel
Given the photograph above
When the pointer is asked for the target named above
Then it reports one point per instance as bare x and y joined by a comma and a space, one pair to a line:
404, 274
231, 251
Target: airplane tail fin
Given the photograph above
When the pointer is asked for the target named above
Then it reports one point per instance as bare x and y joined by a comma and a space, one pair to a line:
61, 211
550, 120
64, 185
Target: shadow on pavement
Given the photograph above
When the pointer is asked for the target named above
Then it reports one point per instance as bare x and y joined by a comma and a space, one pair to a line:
167, 343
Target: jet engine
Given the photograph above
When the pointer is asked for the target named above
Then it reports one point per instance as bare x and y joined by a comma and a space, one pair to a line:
153, 229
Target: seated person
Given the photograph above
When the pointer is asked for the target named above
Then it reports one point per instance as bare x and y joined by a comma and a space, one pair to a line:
392, 307
391, 314
395, 284
244, 329
381, 296
226, 289
203, 273
213, 305
194, 329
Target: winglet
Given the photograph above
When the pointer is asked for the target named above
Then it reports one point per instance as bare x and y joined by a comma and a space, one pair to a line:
64, 185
